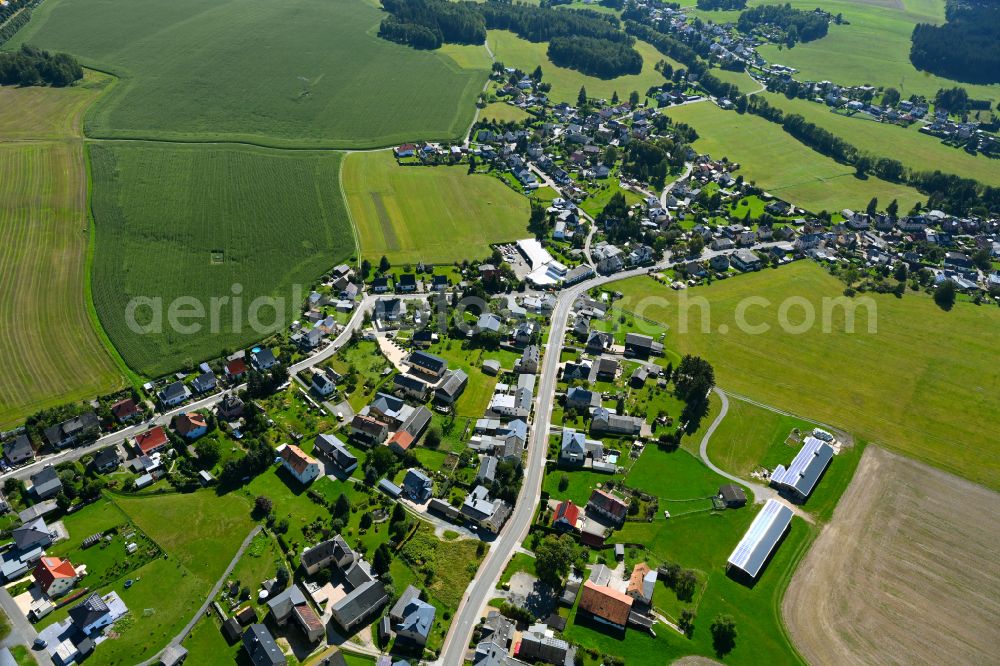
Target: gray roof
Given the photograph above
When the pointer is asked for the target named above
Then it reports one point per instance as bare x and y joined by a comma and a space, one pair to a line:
360, 602
31, 534
428, 362
282, 603
261, 648
804, 471
18, 449
418, 618
46, 482
408, 595
761, 537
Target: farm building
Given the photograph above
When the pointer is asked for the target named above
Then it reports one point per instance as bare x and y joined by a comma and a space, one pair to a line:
733, 495
761, 538
803, 473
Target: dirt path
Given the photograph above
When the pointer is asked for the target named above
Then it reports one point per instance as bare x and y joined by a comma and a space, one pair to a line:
905, 573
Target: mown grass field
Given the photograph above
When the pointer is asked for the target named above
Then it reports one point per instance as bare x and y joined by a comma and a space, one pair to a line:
923, 384
196, 221
50, 352
914, 149
430, 214
304, 73
513, 51
782, 165
504, 113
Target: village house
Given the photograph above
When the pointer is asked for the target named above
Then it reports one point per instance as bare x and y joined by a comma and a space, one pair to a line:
191, 425
608, 506
18, 451
605, 605
73, 430
125, 410
55, 576
173, 394
299, 464
152, 441
336, 451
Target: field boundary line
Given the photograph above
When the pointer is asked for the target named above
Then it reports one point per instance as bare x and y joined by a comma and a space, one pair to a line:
347, 207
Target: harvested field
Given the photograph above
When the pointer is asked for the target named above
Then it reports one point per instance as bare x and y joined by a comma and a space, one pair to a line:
912, 551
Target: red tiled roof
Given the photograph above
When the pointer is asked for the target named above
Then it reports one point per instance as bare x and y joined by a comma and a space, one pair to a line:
124, 409
50, 569
151, 440
236, 367
296, 458
567, 511
186, 423
402, 439
609, 503
606, 603
635, 580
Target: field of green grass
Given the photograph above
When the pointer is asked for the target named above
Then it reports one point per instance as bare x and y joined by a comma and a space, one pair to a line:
513, 51
782, 165
304, 73
51, 353
874, 49
432, 214
195, 221
502, 112
922, 384
914, 149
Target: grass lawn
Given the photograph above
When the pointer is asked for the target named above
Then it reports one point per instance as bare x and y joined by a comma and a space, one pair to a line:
677, 475
204, 222
520, 562
891, 387
22, 656
581, 483
503, 112
431, 214
601, 193
43, 219
914, 149
874, 49
260, 72
513, 51
782, 165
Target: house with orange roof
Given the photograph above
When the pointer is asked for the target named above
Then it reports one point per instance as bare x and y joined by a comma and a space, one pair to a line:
151, 441
191, 425
605, 605
566, 516
641, 583
55, 576
400, 442
299, 464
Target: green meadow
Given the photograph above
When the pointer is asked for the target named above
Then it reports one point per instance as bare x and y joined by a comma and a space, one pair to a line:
783, 166
196, 221
923, 383
300, 73
430, 214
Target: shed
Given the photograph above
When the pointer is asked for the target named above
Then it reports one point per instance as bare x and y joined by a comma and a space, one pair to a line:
733, 495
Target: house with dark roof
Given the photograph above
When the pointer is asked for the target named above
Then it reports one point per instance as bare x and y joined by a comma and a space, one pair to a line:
106, 460
451, 388
417, 486
641, 346
360, 604
173, 394
46, 483
333, 551
427, 364
261, 648
407, 283
230, 409
488, 514
291, 603
733, 495
263, 359
572, 450
368, 429
417, 620
332, 448
205, 382
411, 386
96, 612
18, 451
604, 421
607, 505
72, 431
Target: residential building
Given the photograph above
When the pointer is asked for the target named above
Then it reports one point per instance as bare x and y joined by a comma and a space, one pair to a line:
642, 583
299, 464
605, 421
417, 486
72, 431
566, 516
152, 441
106, 460
173, 394
191, 425
261, 648
452, 387
333, 551
55, 576
607, 505
417, 620
573, 449
335, 450
641, 346
361, 604
125, 410
427, 364
605, 605
18, 451
46, 483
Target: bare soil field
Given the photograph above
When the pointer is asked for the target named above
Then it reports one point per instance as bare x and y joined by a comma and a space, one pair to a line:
905, 573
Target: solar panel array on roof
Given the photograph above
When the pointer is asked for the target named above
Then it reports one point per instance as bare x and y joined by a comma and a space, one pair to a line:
761, 537
805, 470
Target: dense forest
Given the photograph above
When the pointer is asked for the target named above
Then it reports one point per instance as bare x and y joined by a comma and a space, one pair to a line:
966, 48
711, 5
595, 57
538, 24
798, 25
30, 66
13, 16
426, 24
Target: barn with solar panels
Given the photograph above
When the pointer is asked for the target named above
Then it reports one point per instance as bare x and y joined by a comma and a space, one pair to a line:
802, 475
761, 539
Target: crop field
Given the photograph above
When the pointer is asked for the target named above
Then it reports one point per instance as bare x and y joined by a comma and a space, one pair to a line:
295, 73
782, 165
914, 149
50, 352
873, 49
922, 384
912, 551
204, 222
431, 214
513, 51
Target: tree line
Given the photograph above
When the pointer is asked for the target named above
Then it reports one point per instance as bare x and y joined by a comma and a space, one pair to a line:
30, 66
595, 57
948, 192
426, 24
965, 48
797, 24
727, 5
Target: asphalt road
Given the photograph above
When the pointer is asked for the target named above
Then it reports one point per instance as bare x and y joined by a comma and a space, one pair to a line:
481, 589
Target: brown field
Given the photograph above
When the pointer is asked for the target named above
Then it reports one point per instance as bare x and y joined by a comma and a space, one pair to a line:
905, 573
